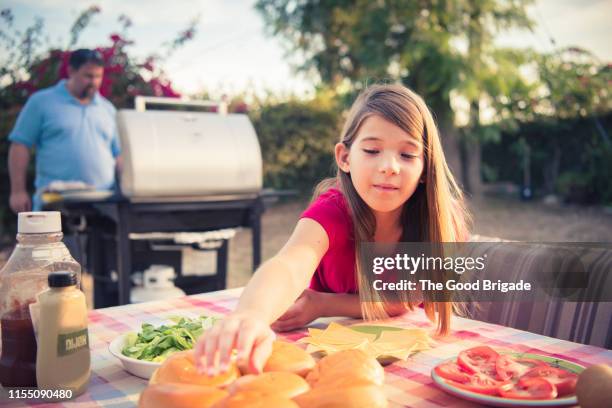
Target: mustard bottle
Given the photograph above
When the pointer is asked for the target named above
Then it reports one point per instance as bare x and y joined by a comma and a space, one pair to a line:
63, 360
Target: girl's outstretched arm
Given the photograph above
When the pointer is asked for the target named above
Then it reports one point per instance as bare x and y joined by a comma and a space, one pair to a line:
312, 305
273, 288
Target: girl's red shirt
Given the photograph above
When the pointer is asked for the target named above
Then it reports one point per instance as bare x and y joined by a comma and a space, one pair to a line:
336, 272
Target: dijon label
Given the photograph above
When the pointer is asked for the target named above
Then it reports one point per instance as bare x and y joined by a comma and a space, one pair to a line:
69, 343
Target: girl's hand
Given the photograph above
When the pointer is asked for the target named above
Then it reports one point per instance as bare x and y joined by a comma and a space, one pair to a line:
307, 307
250, 336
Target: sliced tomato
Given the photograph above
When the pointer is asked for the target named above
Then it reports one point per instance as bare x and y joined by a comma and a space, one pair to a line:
512, 368
565, 381
452, 371
478, 359
481, 384
489, 370
529, 388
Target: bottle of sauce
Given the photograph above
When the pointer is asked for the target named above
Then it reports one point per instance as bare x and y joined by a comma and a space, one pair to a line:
63, 358
18, 364
38, 252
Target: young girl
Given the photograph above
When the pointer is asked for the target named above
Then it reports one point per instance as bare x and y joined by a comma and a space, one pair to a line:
393, 184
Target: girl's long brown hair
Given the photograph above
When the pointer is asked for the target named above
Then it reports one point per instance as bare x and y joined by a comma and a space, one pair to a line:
434, 213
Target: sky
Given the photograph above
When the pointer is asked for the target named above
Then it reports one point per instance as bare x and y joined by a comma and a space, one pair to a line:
232, 52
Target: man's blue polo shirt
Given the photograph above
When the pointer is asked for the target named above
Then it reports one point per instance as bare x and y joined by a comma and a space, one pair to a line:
72, 141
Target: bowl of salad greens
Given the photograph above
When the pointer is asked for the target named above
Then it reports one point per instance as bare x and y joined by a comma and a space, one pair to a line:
141, 353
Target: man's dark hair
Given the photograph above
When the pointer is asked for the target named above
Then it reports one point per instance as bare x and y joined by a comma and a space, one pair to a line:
82, 56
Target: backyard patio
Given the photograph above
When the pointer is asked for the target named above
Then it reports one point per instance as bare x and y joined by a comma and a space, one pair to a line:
457, 253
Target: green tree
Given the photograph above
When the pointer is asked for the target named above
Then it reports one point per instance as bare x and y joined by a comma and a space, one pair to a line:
434, 47
489, 71
571, 86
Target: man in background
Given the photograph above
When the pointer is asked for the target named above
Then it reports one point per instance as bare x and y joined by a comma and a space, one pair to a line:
73, 131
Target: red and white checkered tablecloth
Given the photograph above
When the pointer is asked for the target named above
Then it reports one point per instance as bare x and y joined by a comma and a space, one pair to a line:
407, 383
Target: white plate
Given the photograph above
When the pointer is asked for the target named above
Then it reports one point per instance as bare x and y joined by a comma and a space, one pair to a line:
139, 368
496, 401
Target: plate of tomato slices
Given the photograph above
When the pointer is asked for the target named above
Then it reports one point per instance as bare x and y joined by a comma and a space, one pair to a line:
506, 379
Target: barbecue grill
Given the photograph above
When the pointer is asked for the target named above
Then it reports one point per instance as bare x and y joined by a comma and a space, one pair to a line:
183, 171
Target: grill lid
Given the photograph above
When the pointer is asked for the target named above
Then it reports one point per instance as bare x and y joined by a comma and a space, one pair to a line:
172, 153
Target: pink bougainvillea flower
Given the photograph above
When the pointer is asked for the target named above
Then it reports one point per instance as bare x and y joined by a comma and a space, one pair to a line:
63, 70
148, 64
241, 107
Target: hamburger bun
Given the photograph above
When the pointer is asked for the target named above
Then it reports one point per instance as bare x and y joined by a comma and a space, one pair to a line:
254, 399
180, 368
180, 396
286, 385
346, 368
289, 357
360, 396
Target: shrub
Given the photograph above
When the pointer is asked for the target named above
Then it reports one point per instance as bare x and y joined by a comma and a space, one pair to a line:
297, 141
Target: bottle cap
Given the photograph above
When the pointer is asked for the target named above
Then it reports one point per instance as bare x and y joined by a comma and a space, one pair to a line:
39, 222
62, 279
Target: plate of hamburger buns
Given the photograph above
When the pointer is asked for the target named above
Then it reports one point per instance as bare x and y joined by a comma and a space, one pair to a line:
290, 378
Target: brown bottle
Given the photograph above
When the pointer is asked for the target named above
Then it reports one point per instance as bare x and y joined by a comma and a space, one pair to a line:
18, 361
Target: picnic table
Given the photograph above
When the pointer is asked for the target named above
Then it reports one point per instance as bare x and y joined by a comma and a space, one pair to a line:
407, 383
